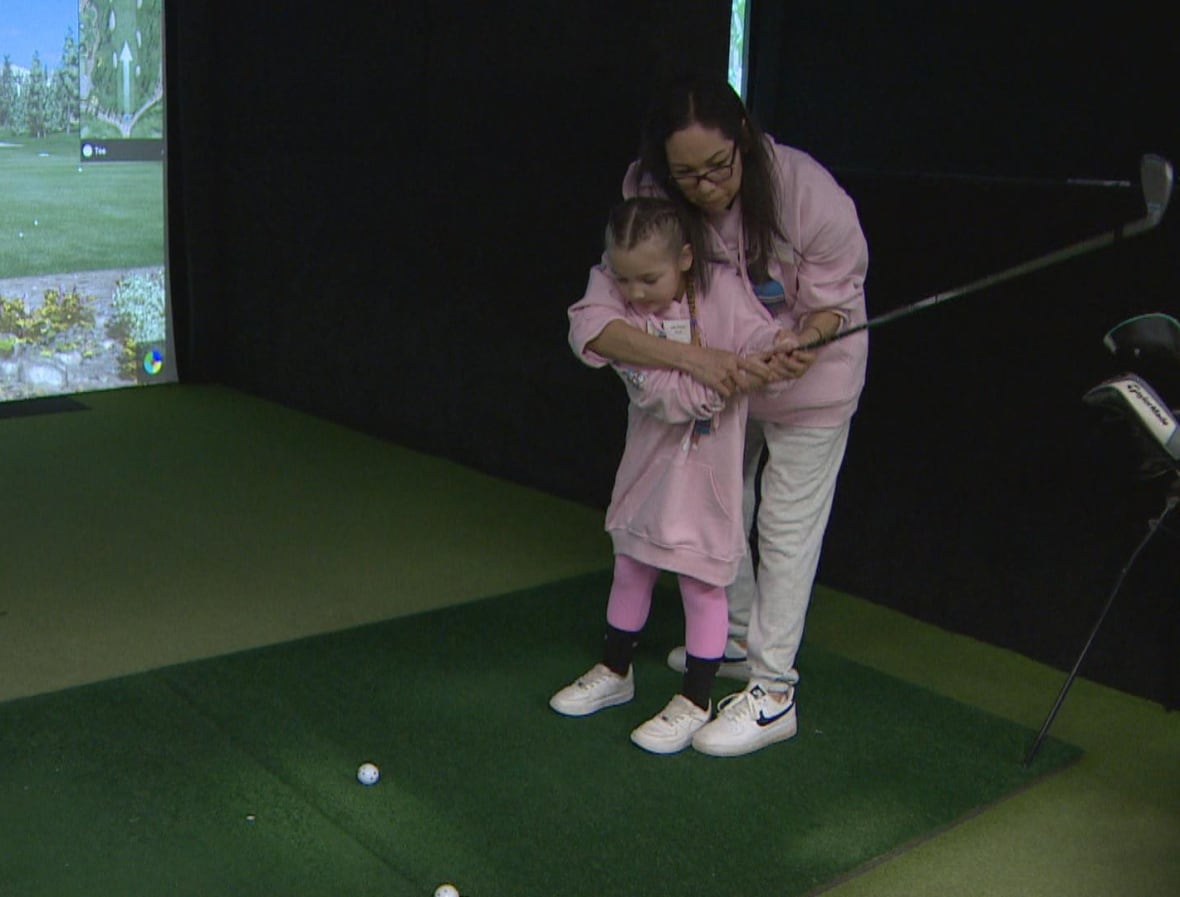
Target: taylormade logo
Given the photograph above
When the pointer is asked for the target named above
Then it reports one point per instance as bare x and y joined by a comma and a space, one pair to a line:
1158, 413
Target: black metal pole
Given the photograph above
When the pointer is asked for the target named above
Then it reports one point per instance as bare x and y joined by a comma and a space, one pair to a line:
1152, 529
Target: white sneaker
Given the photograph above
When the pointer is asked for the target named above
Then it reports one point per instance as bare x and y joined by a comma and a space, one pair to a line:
600, 687
671, 729
747, 721
734, 664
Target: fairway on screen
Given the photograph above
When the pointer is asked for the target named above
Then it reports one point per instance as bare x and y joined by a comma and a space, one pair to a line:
83, 262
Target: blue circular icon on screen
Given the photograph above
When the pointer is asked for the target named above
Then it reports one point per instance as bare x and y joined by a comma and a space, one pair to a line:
153, 361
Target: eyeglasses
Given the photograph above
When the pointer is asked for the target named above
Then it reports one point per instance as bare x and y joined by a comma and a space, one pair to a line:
718, 174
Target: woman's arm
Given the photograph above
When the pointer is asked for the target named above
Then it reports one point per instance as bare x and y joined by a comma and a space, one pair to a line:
722, 371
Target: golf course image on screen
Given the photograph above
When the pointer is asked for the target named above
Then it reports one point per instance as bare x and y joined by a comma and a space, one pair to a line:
84, 301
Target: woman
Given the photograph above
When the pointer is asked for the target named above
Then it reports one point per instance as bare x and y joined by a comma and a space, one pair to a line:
791, 233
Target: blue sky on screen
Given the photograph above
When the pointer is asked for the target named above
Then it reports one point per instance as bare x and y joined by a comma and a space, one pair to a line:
40, 25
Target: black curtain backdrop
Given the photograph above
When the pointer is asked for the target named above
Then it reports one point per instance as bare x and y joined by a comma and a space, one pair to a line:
387, 208
380, 213
979, 492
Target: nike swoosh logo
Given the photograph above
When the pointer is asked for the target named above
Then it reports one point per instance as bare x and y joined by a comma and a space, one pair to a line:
764, 720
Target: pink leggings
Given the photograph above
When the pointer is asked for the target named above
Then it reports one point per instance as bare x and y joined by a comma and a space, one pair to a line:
706, 621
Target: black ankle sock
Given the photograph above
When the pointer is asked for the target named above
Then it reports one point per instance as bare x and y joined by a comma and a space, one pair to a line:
618, 648
699, 675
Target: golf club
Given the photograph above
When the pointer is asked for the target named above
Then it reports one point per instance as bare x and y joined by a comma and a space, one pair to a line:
1155, 179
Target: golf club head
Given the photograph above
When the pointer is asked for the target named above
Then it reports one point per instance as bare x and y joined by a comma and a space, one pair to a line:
1155, 177
1131, 398
1150, 336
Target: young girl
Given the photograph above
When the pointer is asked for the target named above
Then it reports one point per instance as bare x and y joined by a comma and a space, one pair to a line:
676, 503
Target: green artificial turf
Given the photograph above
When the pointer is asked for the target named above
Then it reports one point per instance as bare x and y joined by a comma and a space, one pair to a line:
235, 774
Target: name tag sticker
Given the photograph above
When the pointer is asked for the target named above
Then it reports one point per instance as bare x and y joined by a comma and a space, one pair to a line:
678, 331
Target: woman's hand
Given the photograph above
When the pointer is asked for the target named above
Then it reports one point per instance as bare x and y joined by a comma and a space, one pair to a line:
786, 360
725, 372
789, 362
796, 363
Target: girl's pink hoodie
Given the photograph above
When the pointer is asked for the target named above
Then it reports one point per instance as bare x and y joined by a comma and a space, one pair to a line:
677, 498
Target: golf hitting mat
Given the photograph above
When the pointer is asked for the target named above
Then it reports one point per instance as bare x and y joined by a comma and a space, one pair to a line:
238, 774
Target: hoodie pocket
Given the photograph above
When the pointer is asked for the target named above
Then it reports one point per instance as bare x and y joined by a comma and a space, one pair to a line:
678, 505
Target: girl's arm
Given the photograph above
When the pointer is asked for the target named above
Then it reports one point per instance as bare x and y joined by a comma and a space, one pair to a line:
670, 396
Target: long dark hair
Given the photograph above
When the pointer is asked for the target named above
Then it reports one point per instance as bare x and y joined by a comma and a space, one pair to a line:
713, 103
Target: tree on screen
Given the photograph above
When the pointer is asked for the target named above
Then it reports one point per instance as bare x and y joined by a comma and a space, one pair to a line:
35, 102
7, 94
121, 67
64, 112
36, 99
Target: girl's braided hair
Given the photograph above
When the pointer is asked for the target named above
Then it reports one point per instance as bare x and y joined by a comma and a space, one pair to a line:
641, 218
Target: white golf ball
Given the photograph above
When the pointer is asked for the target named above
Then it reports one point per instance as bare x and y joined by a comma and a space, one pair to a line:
446, 891
368, 774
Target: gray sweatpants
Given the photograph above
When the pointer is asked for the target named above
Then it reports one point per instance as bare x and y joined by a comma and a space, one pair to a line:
798, 485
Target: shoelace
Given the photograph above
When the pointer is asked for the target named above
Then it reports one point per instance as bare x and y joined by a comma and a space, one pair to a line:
595, 677
744, 704
739, 705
